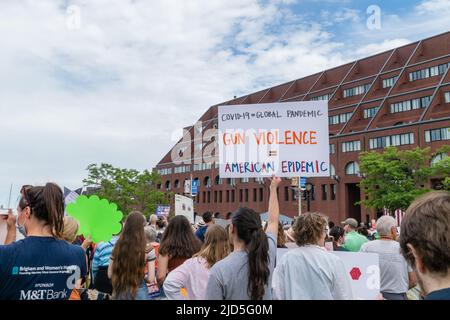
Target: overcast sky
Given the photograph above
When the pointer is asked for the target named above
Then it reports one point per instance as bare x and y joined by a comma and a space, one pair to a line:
95, 81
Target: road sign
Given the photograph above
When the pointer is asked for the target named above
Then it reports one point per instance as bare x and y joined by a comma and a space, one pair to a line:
194, 189
302, 182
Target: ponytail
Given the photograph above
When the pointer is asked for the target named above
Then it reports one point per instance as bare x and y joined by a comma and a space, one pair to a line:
258, 258
54, 202
248, 225
47, 204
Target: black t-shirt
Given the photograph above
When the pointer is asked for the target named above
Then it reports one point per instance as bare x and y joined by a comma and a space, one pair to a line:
40, 268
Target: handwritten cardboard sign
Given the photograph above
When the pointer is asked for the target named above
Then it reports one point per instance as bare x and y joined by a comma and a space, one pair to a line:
288, 139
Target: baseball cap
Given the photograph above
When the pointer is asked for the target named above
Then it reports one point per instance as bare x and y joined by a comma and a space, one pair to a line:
351, 222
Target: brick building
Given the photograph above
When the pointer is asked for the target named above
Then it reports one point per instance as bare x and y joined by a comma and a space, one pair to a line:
400, 97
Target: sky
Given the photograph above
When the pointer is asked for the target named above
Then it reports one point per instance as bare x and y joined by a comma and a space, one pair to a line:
115, 81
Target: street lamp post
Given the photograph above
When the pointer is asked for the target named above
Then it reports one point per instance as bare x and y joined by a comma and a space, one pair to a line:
308, 189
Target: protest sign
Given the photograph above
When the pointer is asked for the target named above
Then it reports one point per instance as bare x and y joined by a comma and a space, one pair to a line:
362, 269
288, 139
184, 206
162, 210
97, 217
364, 272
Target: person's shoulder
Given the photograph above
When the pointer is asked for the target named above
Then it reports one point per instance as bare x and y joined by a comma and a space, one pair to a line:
7, 248
71, 247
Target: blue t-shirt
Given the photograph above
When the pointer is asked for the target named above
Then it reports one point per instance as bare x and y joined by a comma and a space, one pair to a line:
40, 268
200, 233
442, 294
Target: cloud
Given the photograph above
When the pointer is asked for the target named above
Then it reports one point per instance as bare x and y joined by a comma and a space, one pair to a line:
374, 48
115, 87
432, 6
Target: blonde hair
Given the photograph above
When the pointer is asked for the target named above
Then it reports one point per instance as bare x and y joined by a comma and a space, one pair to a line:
153, 218
70, 229
216, 246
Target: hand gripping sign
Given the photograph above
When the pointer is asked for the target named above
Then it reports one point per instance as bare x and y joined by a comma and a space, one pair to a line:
98, 218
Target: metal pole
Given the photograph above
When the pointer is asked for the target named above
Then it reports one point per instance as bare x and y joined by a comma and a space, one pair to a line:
299, 196
9, 201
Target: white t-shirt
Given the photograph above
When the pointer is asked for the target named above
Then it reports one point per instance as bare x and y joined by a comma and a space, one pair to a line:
393, 266
311, 273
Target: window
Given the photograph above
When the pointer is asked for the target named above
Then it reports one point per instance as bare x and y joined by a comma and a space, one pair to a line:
437, 134
286, 193
332, 149
394, 140
259, 180
244, 180
408, 105
350, 146
176, 184
182, 169
255, 195
323, 97
352, 168
438, 157
370, 112
332, 170
165, 171
228, 196
209, 196
389, 82
246, 195
204, 196
447, 97
167, 185
241, 195
339, 118
218, 180
220, 196
355, 91
324, 192
232, 196
202, 166
207, 182
428, 72
261, 194
215, 197
333, 191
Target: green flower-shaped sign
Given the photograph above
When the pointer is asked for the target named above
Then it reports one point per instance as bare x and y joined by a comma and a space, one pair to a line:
98, 218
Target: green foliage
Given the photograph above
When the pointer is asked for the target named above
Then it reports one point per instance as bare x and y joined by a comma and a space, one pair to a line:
128, 188
441, 169
393, 179
97, 218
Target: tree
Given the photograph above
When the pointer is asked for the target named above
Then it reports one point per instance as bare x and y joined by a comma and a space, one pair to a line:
393, 179
128, 188
441, 169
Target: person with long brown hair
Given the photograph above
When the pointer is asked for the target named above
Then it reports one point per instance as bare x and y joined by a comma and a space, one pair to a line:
128, 261
178, 244
246, 274
193, 273
42, 257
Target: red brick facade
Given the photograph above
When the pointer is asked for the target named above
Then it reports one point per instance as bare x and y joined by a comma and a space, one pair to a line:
400, 62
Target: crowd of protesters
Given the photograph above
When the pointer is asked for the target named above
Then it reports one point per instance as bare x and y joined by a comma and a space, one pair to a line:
161, 259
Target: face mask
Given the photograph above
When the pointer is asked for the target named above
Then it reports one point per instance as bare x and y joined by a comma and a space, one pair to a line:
21, 229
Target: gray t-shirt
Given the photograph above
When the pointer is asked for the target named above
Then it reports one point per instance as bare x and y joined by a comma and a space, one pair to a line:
228, 278
393, 266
